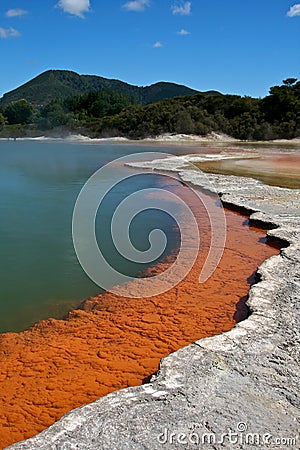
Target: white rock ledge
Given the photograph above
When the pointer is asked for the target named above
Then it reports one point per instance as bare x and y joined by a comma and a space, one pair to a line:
238, 390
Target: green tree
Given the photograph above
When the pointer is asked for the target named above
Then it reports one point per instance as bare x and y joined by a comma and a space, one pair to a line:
244, 126
282, 109
2, 121
283, 103
18, 112
184, 123
52, 115
289, 81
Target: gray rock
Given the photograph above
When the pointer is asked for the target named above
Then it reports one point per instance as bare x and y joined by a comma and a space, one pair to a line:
238, 390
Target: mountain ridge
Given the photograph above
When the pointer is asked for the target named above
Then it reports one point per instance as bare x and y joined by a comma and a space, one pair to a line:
55, 83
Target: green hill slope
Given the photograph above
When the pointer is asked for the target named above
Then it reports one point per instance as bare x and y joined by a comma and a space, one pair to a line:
162, 91
54, 84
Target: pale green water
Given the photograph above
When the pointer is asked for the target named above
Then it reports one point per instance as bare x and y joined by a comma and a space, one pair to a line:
40, 276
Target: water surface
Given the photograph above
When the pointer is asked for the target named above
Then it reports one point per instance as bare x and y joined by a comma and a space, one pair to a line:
40, 276
271, 166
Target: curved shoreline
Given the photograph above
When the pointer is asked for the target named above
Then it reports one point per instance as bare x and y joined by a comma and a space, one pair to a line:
116, 342
167, 139
248, 375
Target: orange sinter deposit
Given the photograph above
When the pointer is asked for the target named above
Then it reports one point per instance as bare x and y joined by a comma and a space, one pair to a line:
113, 342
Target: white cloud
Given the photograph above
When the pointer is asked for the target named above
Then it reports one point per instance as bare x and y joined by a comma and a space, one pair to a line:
294, 10
10, 32
15, 12
74, 7
182, 8
136, 5
157, 44
183, 32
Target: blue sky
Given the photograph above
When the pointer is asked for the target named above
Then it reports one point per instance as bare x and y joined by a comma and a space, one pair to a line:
234, 46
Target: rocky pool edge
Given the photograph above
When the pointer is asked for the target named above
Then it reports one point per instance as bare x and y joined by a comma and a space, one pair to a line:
236, 390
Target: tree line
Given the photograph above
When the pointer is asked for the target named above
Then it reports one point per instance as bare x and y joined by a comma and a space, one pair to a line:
109, 113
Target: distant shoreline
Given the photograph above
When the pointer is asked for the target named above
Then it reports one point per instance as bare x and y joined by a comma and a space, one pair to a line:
218, 139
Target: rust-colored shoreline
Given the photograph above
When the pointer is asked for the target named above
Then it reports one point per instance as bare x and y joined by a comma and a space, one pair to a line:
115, 342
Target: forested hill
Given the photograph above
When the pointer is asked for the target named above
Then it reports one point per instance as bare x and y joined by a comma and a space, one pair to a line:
59, 84
276, 116
107, 112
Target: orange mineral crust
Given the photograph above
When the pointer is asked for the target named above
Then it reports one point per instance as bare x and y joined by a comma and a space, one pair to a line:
114, 342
